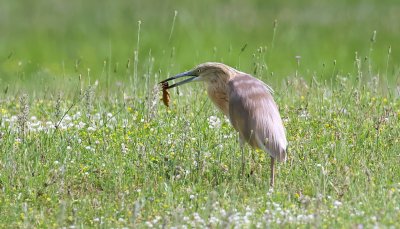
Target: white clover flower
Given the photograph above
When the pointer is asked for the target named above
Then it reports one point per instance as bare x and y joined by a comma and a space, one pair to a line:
67, 118
77, 115
197, 218
81, 125
14, 118
214, 220
304, 114
337, 203
156, 219
214, 122
97, 116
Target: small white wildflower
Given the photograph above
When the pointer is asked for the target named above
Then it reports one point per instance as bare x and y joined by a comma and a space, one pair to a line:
33, 118
156, 219
77, 115
214, 122
192, 196
67, 118
304, 114
214, 220
13, 118
97, 116
62, 126
124, 149
91, 128
81, 125
337, 203
270, 191
124, 123
222, 212
56, 162
198, 218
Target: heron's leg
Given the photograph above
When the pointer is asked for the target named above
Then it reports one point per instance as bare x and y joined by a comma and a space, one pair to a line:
272, 172
243, 156
243, 160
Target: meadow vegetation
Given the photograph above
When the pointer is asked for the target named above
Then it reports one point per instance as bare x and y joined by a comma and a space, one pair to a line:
86, 142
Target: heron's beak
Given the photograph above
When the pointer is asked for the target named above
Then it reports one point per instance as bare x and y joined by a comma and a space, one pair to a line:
183, 74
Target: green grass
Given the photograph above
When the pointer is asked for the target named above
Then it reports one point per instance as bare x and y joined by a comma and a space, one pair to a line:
96, 148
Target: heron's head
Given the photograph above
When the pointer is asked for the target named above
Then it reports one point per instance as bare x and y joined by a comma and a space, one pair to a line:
210, 73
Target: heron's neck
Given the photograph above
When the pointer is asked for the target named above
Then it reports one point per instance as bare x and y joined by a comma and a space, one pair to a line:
218, 93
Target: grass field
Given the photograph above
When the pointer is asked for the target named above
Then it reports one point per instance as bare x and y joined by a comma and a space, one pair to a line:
85, 141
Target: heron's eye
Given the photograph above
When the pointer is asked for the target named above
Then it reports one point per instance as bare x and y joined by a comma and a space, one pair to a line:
198, 71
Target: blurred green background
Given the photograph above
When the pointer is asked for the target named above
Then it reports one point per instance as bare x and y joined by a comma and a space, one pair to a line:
47, 43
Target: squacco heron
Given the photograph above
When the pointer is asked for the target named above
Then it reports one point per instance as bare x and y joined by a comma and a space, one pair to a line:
247, 102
